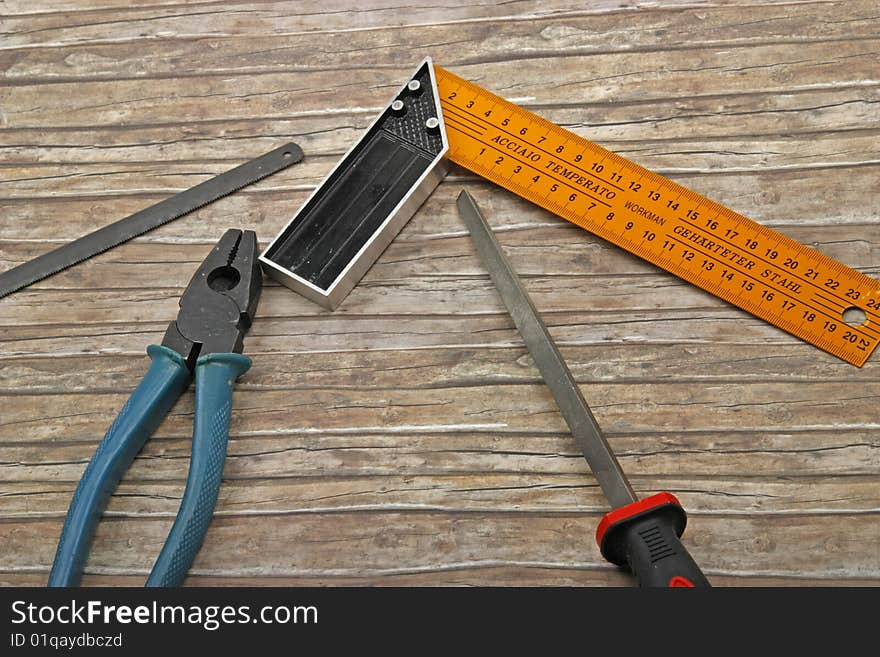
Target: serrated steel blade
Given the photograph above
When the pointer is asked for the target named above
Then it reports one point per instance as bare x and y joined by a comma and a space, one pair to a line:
149, 218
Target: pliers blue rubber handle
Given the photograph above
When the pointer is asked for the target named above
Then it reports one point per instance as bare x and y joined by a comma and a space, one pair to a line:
204, 342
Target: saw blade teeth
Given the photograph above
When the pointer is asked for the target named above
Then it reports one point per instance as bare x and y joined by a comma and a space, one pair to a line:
143, 221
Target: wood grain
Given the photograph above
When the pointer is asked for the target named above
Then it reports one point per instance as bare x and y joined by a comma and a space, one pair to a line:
407, 438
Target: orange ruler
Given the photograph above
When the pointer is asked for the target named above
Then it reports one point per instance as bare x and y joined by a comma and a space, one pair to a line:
786, 283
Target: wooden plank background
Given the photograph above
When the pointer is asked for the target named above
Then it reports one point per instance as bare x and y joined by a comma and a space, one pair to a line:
407, 437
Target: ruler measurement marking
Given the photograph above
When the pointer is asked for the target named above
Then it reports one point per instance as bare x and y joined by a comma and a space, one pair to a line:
845, 304
520, 189
466, 121
766, 313
846, 301
723, 290
541, 172
535, 146
758, 309
818, 298
781, 290
644, 202
787, 272
865, 331
794, 245
463, 121
458, 126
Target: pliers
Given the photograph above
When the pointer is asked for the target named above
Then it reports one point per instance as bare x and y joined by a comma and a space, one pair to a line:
204, 342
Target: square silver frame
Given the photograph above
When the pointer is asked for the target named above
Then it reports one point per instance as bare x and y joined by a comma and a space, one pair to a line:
331, 297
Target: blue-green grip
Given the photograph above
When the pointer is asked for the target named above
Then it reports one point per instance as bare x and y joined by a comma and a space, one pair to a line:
215, 378
163, 383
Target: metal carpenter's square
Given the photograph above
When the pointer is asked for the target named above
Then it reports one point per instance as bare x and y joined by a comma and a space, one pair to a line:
353, 215
643, 534
145, 220
772, 276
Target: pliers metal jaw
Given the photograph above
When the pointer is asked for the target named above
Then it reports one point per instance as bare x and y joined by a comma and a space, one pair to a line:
218, 306
204, 343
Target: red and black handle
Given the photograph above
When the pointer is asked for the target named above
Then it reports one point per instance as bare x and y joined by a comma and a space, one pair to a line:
644, 536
